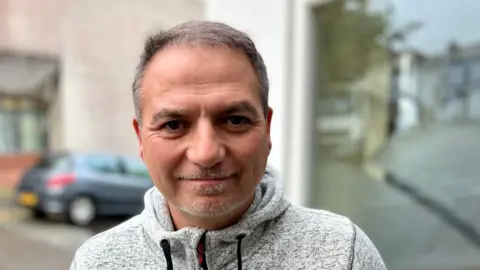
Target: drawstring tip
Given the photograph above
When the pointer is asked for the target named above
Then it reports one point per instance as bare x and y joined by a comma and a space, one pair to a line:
166, 251
239, 250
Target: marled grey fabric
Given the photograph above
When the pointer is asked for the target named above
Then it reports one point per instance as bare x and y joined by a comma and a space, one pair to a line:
277, 236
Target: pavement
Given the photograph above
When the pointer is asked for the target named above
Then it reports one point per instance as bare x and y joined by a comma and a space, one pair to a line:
18, 252
40, 244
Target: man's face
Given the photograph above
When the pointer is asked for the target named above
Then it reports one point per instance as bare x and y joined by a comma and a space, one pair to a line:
204, 137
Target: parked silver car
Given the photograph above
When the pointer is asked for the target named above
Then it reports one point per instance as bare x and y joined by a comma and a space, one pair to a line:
84, 186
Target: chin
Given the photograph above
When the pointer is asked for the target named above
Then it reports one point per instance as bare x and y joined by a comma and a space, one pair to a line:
211, 207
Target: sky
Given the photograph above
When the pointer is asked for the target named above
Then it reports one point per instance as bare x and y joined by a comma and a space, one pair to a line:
442, 21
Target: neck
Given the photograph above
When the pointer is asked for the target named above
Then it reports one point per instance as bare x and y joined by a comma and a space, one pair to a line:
182, 219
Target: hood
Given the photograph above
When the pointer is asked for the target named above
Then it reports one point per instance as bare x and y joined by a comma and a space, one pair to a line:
222, 246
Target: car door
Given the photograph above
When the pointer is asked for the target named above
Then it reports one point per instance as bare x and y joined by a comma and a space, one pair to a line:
136, 179
102, 177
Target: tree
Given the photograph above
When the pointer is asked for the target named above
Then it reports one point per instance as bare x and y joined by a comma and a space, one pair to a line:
350, 40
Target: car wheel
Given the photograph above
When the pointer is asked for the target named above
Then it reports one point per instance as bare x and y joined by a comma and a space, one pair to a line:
81, 211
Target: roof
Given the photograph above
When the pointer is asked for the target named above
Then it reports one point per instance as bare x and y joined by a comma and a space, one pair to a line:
467, 51
25, 75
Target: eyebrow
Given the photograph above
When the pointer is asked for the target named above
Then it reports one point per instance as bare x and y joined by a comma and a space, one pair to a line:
240, 107
232, 108
167, 114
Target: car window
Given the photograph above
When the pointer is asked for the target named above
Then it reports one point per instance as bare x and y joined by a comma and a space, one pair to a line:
134, 167
55, 162
104, 164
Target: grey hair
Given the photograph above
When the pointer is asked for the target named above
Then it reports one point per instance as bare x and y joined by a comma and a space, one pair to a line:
202, 33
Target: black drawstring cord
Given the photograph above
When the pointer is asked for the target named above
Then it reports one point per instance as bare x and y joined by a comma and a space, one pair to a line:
239, 250
166, 251
168, 256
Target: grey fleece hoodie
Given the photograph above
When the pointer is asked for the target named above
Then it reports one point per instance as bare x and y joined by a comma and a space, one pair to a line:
273, 234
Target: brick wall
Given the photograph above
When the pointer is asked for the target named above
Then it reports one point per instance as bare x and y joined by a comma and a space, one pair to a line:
13, 166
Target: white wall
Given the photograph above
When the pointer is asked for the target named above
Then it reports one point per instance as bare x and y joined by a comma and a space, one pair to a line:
408, 114
282, 31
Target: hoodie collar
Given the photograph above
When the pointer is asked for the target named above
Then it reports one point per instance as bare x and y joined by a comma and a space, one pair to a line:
268, 203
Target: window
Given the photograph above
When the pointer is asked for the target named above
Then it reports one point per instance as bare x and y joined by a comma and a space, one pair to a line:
55, 162
475, 72
136, 167
104, 164
23, 125
410, 147
337, 104
456, 76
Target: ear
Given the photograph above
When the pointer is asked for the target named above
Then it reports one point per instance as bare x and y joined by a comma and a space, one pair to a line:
138, 132
269, 122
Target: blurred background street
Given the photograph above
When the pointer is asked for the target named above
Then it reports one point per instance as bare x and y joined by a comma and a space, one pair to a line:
415, 225
377, 117
29, 243
441, 230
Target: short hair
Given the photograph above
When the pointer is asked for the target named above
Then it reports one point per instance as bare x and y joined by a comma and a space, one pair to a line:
202, 33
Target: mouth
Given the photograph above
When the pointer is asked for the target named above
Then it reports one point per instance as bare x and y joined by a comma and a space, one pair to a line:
217, 177
209, 180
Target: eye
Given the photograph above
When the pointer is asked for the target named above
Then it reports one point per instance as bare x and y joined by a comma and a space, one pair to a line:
237, 120
173, 126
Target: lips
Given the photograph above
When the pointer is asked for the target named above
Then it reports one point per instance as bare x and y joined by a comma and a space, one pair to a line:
208, 180
207, 177
211, 179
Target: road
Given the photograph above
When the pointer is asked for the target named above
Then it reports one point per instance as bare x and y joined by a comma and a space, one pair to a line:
442, 164
27, 243
424, 214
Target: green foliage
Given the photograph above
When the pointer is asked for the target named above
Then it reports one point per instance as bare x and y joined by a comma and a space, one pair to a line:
349, 40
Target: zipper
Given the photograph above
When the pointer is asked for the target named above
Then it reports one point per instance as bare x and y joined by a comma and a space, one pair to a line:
202, 259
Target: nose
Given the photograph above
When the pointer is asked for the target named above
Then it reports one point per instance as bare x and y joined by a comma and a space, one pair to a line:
206, 149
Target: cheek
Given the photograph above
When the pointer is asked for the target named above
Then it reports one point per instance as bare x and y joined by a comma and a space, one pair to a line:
250, 148
161, 160
159, 155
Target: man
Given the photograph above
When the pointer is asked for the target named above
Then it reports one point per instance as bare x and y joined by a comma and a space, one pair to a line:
203, 125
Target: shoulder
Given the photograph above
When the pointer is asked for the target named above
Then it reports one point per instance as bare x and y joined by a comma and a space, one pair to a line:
315, 220
330, 233
103, 249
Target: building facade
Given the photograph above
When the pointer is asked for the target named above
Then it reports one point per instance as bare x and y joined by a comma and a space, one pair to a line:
94, 47
441, 88
67, 67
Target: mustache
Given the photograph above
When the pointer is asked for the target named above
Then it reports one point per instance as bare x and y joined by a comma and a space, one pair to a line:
210, 175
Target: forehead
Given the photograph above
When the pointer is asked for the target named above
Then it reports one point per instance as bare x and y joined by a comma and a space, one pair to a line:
191, 71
